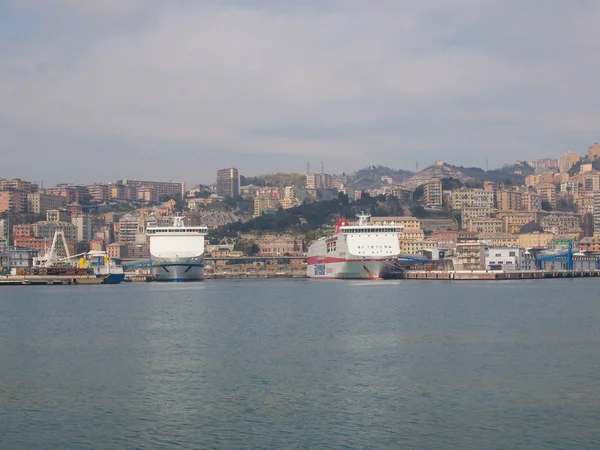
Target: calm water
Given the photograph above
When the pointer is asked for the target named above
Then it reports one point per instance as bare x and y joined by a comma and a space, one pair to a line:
301, 364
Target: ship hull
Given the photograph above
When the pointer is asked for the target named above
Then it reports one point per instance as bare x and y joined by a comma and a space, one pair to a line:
351, 269
178, 270
113, 278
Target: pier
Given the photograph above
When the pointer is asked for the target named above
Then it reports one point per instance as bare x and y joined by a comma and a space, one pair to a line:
48, 280
495, 275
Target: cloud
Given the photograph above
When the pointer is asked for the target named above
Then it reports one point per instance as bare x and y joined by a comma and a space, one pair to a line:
282, 82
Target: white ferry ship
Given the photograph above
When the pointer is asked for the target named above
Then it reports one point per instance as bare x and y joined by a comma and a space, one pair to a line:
359, 251
177, 251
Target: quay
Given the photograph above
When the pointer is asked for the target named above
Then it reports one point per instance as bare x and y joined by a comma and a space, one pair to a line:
47, 280
494, 274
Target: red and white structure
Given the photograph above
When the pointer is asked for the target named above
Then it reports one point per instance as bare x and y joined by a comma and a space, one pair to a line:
359, 251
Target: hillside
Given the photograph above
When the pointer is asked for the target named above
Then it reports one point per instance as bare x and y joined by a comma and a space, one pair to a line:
370, 177
472, 175
275, 179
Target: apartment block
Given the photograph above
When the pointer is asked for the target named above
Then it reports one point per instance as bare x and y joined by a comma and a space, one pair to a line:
472, 212
99, 192
71, 194
130, 225
13, 201
264, 204
471, 197
509, 200
46, 230
319, 181
147, 194
433, 194
533, 180
122, 192
513, 222
228, 182
499, 239
483, 225
548, 193
561, 223
567, 160
594, 152
40, 203
16, 184
58, 215
530, 201
84, 227
170, 188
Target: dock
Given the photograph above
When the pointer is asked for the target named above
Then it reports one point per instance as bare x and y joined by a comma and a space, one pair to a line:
48, 280
495, 275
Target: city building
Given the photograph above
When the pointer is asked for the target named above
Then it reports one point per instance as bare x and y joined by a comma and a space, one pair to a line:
99, 192
508, 200
567, 160
84, 226
38, 244
162, 188
504, 258
71, 194
285, 245
319, 181
228, 182
122, 192
471, 197
535, 240
264, 204
40, 203
432, 194
16, 257
116, 250
512, 222
46, 230
58, 215
499, 239
561, 223
13, 201
129, 226
594, 152
548, 193
530, 201
469, 255
147, 194
473, 212
484, 225
16, 184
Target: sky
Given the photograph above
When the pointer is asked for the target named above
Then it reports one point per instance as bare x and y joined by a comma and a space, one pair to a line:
96, 91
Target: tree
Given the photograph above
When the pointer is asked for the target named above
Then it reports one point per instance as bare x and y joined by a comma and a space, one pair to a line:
546, 206
418, 211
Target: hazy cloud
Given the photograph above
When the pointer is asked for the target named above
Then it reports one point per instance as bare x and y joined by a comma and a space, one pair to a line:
178, 89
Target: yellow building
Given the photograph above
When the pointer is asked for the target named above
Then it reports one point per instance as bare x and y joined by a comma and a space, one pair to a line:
548, 193
512, 222
530, 240
264, 204
508, 200
405, 221
484, 225
499, 239
473, 212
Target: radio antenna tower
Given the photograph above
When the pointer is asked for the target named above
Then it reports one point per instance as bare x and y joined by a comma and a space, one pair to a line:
307, 167
322, 167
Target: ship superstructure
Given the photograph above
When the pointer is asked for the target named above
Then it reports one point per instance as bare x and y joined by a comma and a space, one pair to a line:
177, 251
360, 251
